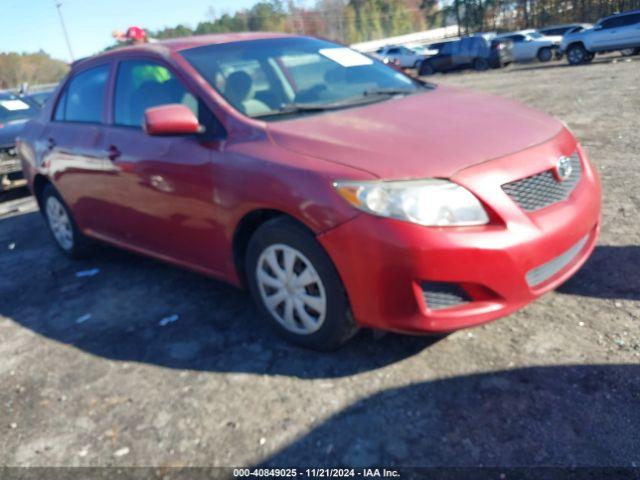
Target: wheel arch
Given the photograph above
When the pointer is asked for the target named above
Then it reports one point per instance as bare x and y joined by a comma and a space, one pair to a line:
576, 43
245, 229
39, 183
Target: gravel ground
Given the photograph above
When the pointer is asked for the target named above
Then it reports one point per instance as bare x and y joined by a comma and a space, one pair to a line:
91, 375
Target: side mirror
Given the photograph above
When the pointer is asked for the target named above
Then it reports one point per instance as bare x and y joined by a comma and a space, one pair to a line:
173, 119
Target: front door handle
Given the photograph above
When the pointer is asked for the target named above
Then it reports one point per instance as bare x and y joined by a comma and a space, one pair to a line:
51, 143
113, 153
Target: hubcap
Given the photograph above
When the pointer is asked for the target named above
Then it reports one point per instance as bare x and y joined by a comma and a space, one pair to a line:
59, 223
291, 289
575, 55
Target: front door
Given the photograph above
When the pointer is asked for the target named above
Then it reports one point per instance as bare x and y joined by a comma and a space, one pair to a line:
165, 188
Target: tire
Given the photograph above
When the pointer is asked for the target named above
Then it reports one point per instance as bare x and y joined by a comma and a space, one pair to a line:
62, 226
315, 314
545, 54
480, 64
577, 55
426, 68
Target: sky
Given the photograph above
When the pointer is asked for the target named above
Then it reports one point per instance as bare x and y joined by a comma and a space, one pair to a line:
32, 25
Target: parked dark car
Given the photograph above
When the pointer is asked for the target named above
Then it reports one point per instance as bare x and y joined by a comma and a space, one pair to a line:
39, 98
14, 112
561, 30
477, 52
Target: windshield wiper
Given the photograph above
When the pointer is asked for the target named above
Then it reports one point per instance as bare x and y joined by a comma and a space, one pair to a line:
390, 91
368, 96
293, 108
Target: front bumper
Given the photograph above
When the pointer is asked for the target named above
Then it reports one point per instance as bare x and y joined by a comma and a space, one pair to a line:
501, 267
10, 168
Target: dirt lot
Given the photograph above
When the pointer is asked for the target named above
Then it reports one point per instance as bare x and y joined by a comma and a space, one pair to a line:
555, 384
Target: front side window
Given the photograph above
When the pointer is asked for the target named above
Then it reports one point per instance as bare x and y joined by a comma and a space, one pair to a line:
611, 23
83, 98
142, 84
295, 76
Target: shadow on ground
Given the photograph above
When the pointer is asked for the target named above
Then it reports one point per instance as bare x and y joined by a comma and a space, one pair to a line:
547, 416
218, 328
611, 272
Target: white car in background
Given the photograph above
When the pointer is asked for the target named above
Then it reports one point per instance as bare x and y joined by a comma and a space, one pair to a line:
402, 56
530, 45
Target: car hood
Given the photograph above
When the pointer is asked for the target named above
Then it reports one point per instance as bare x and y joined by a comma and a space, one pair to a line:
432, 134
9, 132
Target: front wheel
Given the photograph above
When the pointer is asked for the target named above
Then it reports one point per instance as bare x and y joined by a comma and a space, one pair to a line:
426, 68
577, 55
296, 286
545, 54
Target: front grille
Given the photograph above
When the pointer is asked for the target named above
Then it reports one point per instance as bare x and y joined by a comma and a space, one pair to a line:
9, 161
547, 270
543, 189
439, 295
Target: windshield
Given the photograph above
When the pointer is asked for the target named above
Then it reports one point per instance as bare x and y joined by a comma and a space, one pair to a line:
12, 108
295, 76
536, 35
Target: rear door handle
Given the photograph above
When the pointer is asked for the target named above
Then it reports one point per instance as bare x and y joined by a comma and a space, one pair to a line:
51, 143
113, 153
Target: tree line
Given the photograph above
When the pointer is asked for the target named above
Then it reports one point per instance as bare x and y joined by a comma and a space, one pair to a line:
350, 21
32, 68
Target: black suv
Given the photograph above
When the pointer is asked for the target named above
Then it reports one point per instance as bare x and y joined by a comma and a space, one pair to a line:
476, 52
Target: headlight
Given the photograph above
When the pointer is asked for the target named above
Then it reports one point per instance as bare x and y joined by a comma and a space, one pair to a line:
430, 202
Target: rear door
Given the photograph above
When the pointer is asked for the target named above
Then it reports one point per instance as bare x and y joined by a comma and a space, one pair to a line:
607, 34
520, 48
74, 151
444, 60
629, 32
165, 185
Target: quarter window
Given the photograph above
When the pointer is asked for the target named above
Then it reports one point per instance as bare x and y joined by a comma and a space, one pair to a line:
631, 19
141, 85
83, 98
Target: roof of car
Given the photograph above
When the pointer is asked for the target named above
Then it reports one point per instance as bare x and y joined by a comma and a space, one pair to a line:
218, 38
563, 25
618, 14
183, 43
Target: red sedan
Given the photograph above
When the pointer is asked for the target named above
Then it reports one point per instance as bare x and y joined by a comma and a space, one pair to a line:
341, 192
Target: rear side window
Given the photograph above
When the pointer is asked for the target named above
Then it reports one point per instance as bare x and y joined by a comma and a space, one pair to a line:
83, 98
631, 19
141, 85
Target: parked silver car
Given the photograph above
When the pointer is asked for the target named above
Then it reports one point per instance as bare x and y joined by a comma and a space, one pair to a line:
616, 32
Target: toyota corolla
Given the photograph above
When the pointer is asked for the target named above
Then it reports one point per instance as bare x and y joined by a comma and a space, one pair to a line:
340, 192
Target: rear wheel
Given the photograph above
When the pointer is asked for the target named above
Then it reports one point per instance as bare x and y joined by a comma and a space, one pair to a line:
296, 286
480, 64
63, 228
545, 54
577, 55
